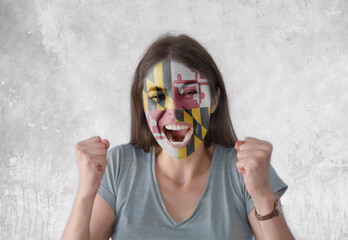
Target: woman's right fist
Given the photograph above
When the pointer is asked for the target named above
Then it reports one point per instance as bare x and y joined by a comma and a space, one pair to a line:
92, 161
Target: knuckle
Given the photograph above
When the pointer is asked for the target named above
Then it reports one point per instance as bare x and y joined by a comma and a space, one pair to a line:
262, 154
98, 138
78, 152
238, 165
253, 164
269, 146
77, 145
89, 158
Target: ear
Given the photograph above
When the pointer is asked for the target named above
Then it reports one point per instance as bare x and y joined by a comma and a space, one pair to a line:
215, 101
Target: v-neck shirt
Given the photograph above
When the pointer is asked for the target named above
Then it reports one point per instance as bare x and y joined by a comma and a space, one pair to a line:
159, 195
130, 187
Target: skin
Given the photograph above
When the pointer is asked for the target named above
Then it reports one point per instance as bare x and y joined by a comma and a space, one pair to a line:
254, 157
174, 94
92, 218
182, 181
182, 171
83, 223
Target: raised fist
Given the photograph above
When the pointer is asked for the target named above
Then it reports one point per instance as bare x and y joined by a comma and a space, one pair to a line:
92, 161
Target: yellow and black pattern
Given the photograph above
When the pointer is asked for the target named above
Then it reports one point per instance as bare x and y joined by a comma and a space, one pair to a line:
158, 96
199, 119
155, 96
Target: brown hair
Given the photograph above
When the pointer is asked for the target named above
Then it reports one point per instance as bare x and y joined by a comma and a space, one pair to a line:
188, 51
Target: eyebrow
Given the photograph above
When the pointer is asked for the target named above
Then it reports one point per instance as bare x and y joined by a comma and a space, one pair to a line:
185, 82
155, 89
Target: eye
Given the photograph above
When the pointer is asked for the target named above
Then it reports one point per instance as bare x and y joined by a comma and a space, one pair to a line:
190, 92
160, 96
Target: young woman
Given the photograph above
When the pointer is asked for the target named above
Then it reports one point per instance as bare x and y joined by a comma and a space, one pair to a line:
183, 175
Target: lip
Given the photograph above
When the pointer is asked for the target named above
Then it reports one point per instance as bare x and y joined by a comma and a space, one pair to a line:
178, 124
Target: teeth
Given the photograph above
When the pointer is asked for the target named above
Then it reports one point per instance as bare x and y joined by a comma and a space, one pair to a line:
176, 127
179, 127
169, 127
187, 136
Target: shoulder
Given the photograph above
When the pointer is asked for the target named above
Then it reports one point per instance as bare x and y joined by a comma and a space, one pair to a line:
123, 160
126, 155
123, 150
228, 154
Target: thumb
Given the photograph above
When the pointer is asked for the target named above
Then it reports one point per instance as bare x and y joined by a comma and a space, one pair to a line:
237, 144
106, 142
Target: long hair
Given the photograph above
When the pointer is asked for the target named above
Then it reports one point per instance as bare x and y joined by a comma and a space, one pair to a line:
188, 51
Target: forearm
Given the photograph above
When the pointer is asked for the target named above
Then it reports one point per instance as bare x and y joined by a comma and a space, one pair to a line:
78, 223
276, 227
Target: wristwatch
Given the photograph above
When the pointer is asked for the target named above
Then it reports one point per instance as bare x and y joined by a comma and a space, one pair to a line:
276, 211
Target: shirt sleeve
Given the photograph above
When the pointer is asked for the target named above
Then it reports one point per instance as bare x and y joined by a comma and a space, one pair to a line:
108, 186
277, 184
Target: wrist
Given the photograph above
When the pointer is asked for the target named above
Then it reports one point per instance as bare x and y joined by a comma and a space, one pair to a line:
264, 204
85, 196
275, 212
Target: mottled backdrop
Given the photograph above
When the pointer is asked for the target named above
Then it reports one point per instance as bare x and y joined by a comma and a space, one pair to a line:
65, 75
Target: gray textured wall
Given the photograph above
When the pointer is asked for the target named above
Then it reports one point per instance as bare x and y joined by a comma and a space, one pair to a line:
65, 75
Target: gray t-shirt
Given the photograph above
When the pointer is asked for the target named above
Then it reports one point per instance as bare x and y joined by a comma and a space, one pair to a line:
130, 187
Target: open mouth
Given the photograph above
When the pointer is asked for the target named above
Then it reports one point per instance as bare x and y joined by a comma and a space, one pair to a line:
178, 134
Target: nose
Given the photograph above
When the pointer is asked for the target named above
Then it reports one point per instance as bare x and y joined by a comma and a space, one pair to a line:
178, 113
173, 109
169, 103
170, 112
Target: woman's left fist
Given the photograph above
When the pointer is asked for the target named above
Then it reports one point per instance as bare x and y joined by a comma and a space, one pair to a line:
254, 160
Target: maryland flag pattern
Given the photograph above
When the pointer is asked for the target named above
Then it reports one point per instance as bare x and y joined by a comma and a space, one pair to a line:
174, 93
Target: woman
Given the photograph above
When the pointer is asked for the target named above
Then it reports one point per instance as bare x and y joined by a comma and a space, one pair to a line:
183, 175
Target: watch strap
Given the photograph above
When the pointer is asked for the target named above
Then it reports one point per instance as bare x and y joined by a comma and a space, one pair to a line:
276, 211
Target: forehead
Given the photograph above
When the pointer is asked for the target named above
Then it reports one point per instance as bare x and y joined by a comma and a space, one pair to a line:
165, 73
179, 72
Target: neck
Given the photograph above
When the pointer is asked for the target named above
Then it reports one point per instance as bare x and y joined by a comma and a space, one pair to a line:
183, 171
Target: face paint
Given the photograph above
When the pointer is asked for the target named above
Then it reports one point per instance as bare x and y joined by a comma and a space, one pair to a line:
177, 107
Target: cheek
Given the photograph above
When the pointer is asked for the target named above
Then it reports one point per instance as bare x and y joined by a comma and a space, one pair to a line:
205, 99
186, 102
189, 101
156, 119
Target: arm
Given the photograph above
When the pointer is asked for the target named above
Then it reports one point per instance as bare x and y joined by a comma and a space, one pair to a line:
274, 228
77, 226
103, 218
91, 217
254, 157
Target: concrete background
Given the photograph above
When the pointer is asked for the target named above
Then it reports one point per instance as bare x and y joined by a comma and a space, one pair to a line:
65, 75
